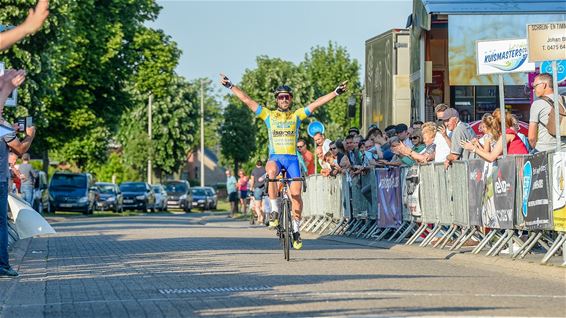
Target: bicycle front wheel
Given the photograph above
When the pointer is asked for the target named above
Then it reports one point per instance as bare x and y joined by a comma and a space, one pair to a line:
286, 230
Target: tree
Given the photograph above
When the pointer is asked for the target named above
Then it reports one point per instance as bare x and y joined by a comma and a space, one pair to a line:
76, 69
174, 126
212, 115
115, 166
326, 67
237, 134
261, 82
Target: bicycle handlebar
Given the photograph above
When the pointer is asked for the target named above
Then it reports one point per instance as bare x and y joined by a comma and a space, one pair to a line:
285, 179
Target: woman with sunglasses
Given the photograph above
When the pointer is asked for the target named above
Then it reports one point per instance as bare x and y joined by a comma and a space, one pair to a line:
515, 145
282, 128
424, 148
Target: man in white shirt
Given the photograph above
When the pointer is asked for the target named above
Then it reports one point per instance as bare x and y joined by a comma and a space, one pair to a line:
442, 138
539, 137
321, 141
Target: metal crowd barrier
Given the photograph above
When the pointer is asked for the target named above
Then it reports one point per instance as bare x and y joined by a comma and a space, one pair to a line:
514, 206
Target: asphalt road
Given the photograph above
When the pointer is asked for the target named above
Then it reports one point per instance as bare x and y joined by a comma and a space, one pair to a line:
208, 265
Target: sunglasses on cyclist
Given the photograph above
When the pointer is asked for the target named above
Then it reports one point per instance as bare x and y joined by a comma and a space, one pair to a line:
284, 97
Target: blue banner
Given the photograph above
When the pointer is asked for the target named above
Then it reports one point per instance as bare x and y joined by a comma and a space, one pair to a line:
389, 197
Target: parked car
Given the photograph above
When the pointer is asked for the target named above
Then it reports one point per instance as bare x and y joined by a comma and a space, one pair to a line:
213, 198
203, 197
110, 197
40, 193
71, 192
160, 197
138, 196
179, 195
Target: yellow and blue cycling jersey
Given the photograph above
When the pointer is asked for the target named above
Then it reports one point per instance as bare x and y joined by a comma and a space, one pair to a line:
282, 129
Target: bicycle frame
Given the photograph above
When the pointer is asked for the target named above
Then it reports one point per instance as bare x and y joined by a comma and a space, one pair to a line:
284, 230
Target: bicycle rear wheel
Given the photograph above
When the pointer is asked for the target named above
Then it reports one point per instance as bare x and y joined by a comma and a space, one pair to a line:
286, 230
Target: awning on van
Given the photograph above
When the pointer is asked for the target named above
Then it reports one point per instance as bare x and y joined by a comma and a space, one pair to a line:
469, 7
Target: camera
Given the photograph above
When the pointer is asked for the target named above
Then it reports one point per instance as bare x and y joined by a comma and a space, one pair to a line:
23, 123
13, 98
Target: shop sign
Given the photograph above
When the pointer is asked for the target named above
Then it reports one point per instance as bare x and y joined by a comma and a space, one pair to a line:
503, 56
547, 41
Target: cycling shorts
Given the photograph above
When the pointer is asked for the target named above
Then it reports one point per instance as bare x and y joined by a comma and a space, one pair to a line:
289, 162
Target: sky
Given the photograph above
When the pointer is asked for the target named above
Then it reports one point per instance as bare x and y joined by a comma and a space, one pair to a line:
227, 36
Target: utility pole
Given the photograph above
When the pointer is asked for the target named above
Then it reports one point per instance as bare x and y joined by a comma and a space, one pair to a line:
202, 133
149, 168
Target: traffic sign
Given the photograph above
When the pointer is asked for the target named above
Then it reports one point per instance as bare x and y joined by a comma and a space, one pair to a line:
546, 67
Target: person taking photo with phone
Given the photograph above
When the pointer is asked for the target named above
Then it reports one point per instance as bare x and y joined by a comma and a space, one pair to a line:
9, 141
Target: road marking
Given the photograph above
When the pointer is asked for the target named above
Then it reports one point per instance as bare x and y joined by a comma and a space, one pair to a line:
278, 295
213, 290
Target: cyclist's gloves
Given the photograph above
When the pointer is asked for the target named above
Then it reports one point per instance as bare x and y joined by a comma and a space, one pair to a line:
341, 89
227, 83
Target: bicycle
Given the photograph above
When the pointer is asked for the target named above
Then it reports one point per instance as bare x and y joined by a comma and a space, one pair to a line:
284, 229
251, 209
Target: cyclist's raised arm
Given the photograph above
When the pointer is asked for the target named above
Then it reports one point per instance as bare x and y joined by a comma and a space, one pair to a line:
252, 104
328, 97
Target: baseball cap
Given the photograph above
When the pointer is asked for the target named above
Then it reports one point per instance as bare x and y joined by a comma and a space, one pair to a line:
354, 130
449, 113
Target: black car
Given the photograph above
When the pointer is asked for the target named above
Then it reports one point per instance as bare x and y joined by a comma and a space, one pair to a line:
202, 198
71, 192
137, 196
179, 195
110, 197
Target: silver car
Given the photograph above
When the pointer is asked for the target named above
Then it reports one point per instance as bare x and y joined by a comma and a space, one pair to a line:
212, 198
160, 197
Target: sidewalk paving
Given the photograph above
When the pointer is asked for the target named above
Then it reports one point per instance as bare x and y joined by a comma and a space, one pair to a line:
211, 266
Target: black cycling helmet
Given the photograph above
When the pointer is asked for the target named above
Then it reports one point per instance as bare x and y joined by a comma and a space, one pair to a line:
283, 89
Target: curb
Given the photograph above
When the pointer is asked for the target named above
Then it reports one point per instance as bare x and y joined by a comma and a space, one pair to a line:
19, 250
522, 268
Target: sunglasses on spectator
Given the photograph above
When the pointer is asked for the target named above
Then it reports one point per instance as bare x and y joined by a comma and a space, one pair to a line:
414, 137
284, 97
332, 148
537, 84
300, 146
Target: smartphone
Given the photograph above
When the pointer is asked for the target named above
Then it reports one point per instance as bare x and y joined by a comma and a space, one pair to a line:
23, 123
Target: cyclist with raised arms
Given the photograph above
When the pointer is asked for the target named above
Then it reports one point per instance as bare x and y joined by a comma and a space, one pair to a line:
283, 128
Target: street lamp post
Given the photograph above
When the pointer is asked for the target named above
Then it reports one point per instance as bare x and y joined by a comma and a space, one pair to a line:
202, 133
149, 119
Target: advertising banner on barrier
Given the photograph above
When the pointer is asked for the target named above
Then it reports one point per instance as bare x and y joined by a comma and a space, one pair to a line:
412, 183
389, 197
476, 187
535, 205
559, 191
504, 187
488, 201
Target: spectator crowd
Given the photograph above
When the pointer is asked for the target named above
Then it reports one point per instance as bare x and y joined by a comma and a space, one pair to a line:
443, 141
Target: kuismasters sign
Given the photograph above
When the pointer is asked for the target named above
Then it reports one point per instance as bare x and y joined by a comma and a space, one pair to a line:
503, 56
